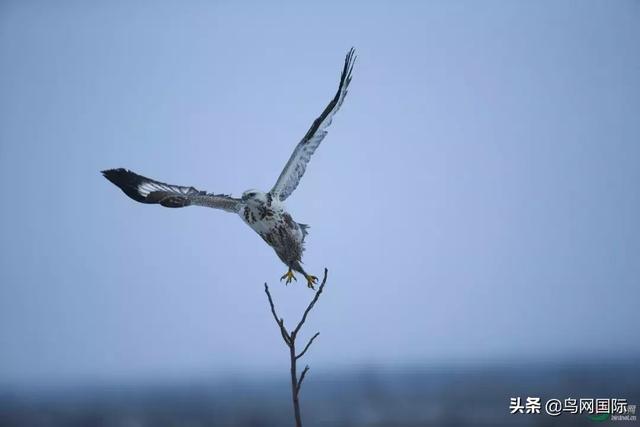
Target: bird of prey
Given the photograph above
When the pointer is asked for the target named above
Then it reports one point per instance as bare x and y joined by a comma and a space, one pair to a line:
265, 213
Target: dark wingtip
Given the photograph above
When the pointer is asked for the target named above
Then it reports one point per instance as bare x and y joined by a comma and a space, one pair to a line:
112, 174
349, 62
127, 181
351, 55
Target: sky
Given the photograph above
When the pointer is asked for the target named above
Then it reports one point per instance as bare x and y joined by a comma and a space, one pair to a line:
476, 198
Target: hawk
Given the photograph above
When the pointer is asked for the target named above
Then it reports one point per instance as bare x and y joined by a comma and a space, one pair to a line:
265, 213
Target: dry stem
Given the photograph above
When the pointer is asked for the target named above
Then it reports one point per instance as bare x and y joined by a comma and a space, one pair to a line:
289, 339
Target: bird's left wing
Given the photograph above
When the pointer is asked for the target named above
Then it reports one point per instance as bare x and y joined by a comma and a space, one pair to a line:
147, 190
297, 164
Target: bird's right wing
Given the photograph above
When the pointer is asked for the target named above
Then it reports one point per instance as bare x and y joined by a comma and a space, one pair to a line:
146, 190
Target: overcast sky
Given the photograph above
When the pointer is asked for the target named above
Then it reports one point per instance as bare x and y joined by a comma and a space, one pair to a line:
476, 198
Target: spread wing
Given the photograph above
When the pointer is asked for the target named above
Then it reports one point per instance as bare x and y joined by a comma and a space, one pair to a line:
297, 164
146, 190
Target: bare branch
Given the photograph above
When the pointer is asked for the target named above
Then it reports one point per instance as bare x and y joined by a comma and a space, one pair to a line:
313, 302
307, 346
304, 372
285, 336
273, 309
290, 340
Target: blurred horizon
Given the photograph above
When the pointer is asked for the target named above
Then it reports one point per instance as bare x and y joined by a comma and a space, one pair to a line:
280, 373
462, 395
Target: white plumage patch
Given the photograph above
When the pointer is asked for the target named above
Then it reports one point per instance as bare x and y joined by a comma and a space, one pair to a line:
149, 187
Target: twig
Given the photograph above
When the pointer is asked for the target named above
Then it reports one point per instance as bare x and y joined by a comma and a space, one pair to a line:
290, 341
280, 322
307, 346
313, 302
304, 372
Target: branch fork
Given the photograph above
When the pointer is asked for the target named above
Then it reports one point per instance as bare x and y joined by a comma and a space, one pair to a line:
289, 339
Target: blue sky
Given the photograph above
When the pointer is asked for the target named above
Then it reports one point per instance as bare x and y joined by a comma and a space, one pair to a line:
476, 198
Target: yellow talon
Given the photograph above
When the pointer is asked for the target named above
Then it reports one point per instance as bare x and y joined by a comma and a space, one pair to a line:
311, 280
289, 276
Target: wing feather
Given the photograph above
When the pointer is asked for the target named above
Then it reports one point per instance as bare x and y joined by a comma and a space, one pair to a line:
297, 164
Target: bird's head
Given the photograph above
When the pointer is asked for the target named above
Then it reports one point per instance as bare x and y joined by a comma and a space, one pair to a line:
254, 197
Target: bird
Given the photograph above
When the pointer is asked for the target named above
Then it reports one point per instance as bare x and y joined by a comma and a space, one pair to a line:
264, 212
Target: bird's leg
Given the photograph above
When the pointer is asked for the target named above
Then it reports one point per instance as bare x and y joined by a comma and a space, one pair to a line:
311, 280
289, 276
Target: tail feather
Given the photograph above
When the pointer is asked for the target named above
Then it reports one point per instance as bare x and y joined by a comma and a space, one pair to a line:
304, 228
